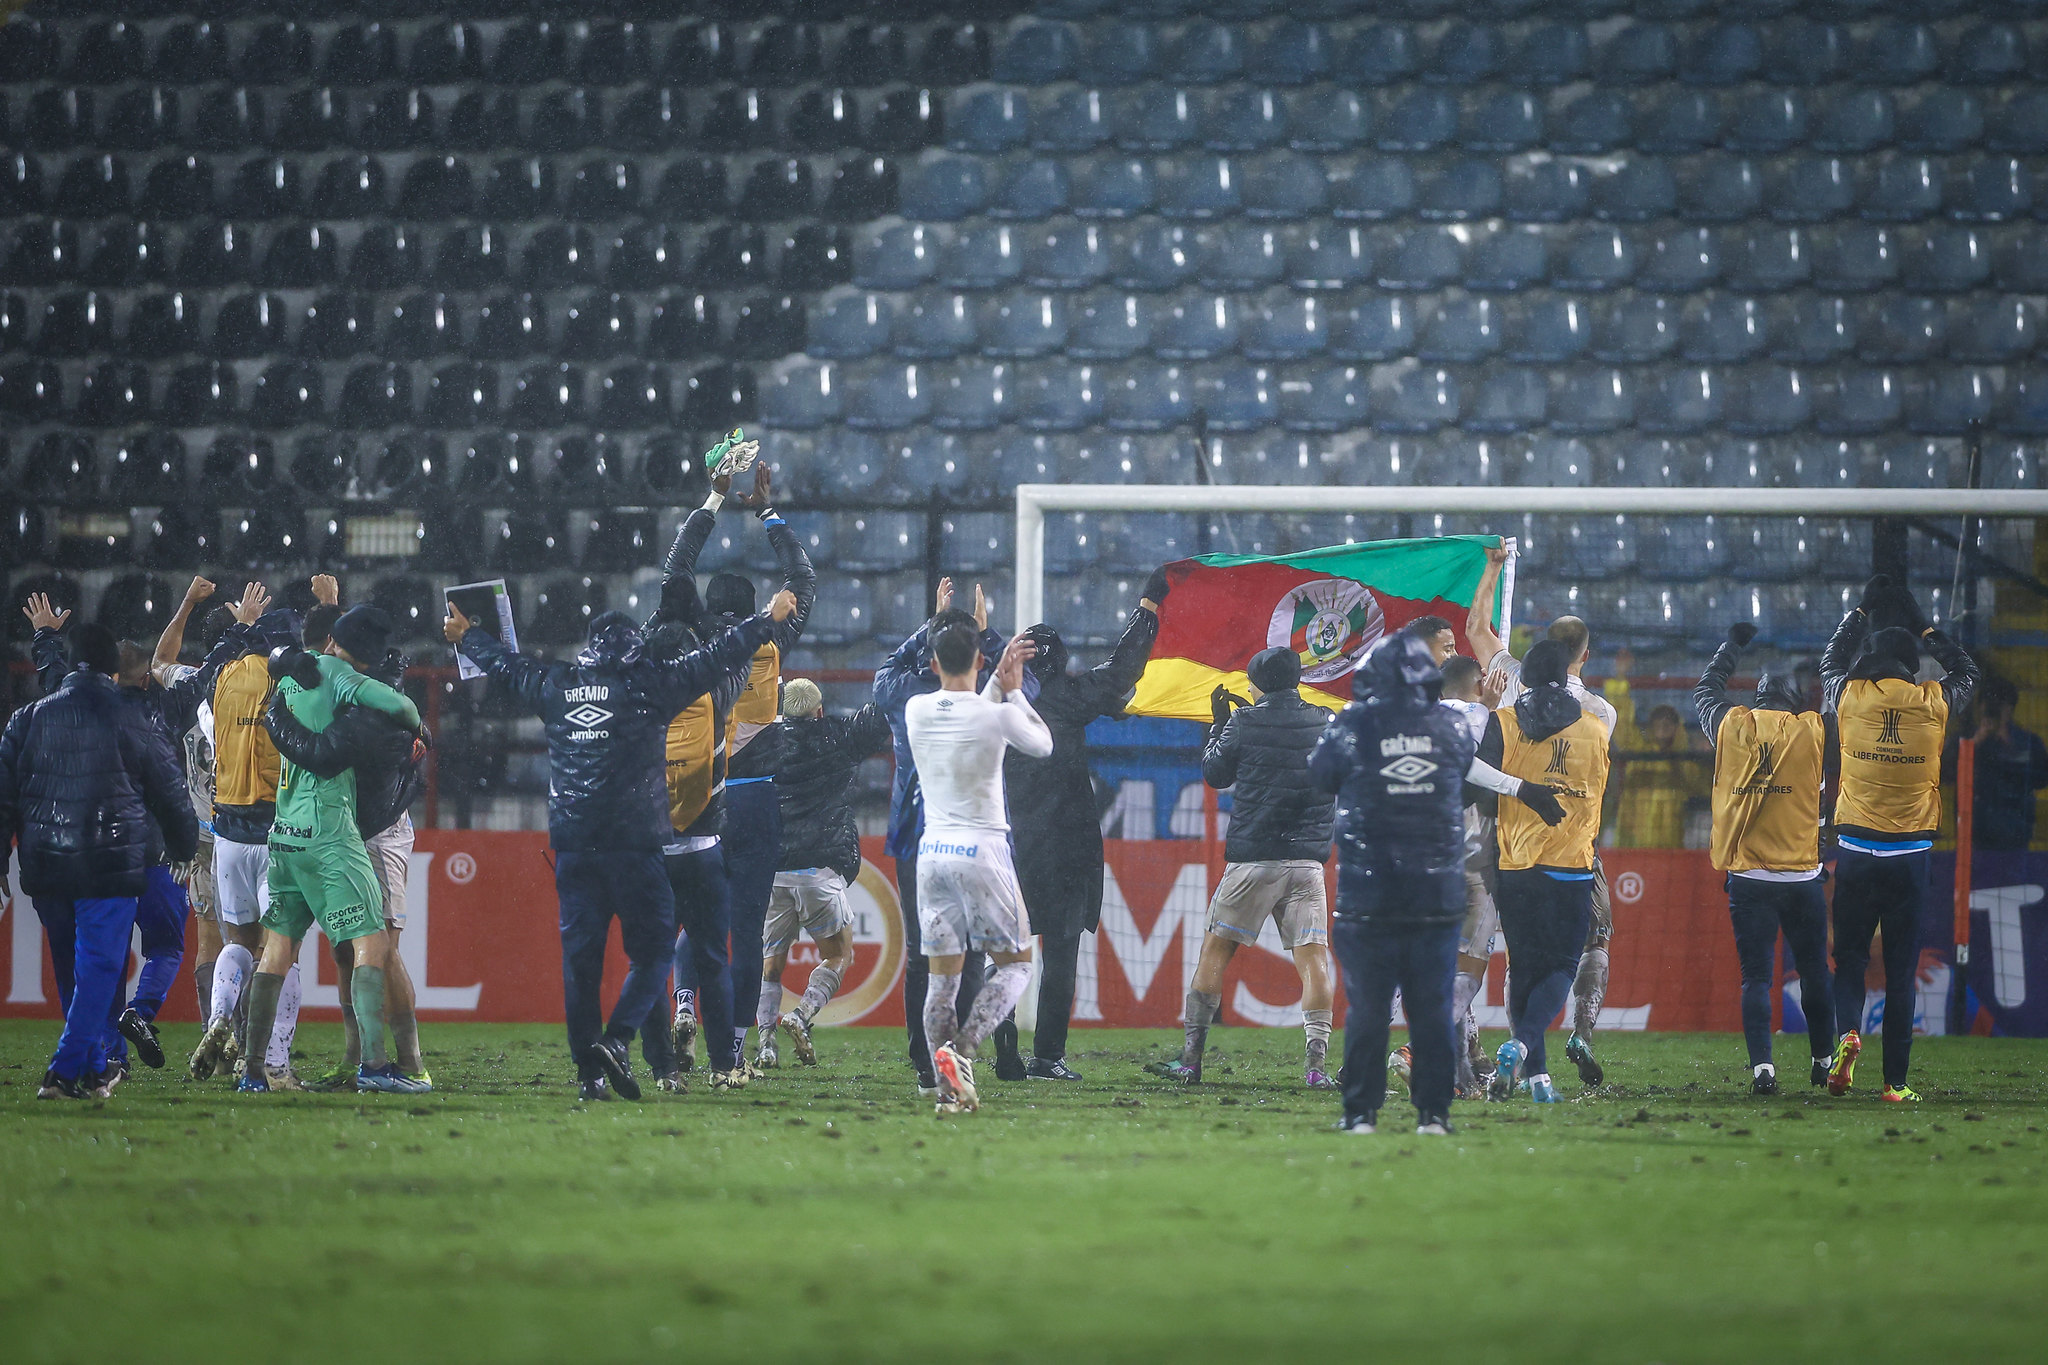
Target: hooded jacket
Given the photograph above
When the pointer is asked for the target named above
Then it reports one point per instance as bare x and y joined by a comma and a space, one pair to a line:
1889, 728
84, 773
606, 716
820, 756
1396, 762
1261, 755
1770, 767
1052, 800
1547, 736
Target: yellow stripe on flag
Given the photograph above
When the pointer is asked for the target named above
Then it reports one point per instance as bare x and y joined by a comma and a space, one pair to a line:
1179, 689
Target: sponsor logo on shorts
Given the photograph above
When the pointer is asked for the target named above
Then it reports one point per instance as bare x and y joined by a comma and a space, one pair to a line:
940, 848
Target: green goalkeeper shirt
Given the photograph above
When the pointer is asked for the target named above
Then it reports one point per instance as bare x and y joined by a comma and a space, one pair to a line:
310, 807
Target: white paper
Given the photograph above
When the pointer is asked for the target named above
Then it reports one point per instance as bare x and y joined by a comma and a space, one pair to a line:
465, 667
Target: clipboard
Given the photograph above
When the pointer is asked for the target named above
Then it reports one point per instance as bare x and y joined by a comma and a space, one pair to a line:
489, 607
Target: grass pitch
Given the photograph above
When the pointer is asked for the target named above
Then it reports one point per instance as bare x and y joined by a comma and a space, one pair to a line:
824, 1215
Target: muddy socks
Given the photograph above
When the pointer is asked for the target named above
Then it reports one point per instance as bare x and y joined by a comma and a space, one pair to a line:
999, 995
818, 992
1315, 1025
941, 1018
263, 992
366, 987
1589, 991
1202, 1009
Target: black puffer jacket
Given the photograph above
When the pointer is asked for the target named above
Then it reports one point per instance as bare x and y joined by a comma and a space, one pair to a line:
606, 722
83, 772
385, 755
1261, 755
820, 756
1396, 761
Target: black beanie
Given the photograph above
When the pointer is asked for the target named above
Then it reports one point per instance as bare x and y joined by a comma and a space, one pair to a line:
365, 632
1275, 669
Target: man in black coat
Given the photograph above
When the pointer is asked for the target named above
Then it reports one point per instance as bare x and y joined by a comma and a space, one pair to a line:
82, 774
1279, 837
1057, 825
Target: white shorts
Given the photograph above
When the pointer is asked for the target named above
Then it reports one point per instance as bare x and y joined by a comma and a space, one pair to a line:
967, 895
812, 902
241, 878
1482, 916
1291, 893
200, 890
391, 854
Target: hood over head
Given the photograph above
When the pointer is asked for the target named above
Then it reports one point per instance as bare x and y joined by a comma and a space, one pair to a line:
1546, 705
614, 639
278, 626
1051, 659
1893, 652
1778, 692
1400, 674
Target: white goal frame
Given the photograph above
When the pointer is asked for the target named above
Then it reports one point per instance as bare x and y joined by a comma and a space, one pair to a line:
1034, 500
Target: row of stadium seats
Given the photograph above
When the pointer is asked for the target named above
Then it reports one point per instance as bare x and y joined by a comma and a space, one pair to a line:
1115, 52
1065, 119
155, 466
1148, 254
1624, 328
1055, 395
1712, 187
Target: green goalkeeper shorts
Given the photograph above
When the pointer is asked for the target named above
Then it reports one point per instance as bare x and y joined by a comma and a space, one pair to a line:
329, 882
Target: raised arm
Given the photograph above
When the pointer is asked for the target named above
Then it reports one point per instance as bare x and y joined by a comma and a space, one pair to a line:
527, 679
1220, 753
47, 651
1960, 672
1023, 729
1110, 682
1710, 698
798, 577
1479, 631
675, 685
1848, 639
866, 731
172, 642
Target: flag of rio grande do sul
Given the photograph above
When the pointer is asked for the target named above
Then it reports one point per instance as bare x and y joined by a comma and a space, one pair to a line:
1329, 606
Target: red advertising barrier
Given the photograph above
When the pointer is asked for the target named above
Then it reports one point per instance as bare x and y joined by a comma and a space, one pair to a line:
481, 944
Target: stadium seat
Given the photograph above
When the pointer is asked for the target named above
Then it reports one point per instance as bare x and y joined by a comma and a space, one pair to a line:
160, 326
845, 615
1120, 54
287, 394
648, 256
1767, 122
1632, 329
2019, 124
1903, 189
528, 540
1204, 53
1509, 400
1595, 123
1944, 120
1508, 122
971, 395
1766, 260
21, 185
1679, 401
29, 50
1109, 326
1113, 187
1595, 547
1196, 327
903, 119
1461, 329
1594, 259
1994, 331
1995, 189
1070, 119
1679, 123
818, 121
511, 326
1946, 402
897, 256
1724, 55
1856, 258
1375, 188
47, 252
849, 325
1811, 189
498, 463
1591, 400
1036, 53
767, 328
419, 327
1947, 260
1415, 398
1544, 191
1857, 401
597, 326
1856, 119
1383, 54
1814, 330
979, 541
1723, 330
954, 54
1057, 397
1030, 188
1329, 398
1550, 54
1720, 189
1239, 257
893, 397
1460, 192
1902, 329
1421, 258
1065, 255
863, 187
1767, 401
33, 390
58, 119
988, 120
60, 466
1244, 119
1292, 53
1423, 120
1285, 326
1546, 330
135, 606
692, 189
1072, 542
1638, 54
981, 256
720, 398
1022, 325
1327, 119
813, 257
386, 256
1199, 187
75, 324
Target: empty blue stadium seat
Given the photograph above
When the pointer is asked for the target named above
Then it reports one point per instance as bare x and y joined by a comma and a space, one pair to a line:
849, 325
1329, 398
1328, 119
1376, 188
1811, 189
1036, 53
935, 325
1071, 541
1284, 186
981, 256
1510, 399
1461, 329
1551, 54
1285, 326
1633, 329
1947, 401
1422, 120
802, 396
979, 541
1767, 400
1899, 54
1511, 121
1909, 462
1293, 53
1376, 327
1685, 549
1057, 397
1546, 329
988, 120
1994, 190
1109, 327
2019, 124
1540, 190
1466, 54
1994, 331
1204, 54
1856, 258
971, 395
1155, 255
1680, 401
1719, 189
1120, 54
1943, 120
1023, 325
1595, 259
1858, 401
1196, 327
1507, 261
1235, 396
1766, 260
1244, 119
1421, 258
1591, 400
1412, 397
1948, 260
1723, 330
1460, 191
844, 615
1199, 187
1902, 328
893, 397
1239, 256
1070, 120
1383, 54
1065, 255
1989, 54
1113, 187
1856, 119
1638, 54
1903, 189
1157, 118
1030, 188
943, 189
1679, 122
1596, 122
1767, 122
1726, 54
895, 256
1814, 330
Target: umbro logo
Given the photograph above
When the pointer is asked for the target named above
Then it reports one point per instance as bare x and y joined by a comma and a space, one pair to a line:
1408, 768
588, 717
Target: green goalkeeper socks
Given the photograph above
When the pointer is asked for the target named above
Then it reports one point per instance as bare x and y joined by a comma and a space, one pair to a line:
366, 988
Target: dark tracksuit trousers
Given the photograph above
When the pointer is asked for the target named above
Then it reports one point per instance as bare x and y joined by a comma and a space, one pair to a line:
1545, 921
595, 887
1062, 889
917, 972
1760, 911
703, 902
1873, 894
1420, 960
753, 845
160, 913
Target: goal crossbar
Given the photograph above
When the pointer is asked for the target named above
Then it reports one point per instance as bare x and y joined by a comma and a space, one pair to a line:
1034, 500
